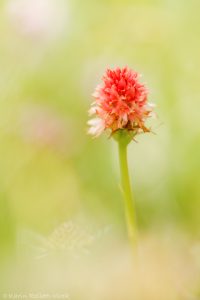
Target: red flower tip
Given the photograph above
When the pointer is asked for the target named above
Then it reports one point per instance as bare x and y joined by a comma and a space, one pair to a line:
120, 103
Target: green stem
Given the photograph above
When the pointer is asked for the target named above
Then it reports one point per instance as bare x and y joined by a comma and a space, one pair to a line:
126, 187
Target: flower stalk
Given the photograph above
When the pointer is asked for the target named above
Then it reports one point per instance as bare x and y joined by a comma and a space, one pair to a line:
123, 138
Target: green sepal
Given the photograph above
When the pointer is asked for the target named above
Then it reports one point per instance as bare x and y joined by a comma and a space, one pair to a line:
124, 136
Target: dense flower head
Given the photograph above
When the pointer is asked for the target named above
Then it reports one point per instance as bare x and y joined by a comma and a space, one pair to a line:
120, 103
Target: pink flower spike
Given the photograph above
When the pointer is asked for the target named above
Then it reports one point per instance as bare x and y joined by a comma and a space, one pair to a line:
120, 103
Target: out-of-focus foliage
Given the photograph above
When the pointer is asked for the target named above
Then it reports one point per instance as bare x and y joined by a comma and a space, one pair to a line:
52, 55
50, 168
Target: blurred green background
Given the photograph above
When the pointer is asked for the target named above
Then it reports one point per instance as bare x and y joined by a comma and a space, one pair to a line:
52, 55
